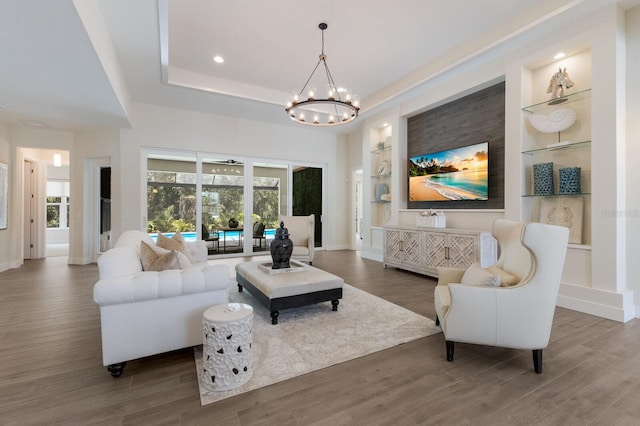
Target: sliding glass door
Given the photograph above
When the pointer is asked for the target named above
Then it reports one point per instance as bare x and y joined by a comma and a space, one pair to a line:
231, 204
223, 220
269, 199
171, 194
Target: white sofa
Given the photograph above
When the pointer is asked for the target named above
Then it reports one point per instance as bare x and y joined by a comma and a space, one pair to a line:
144, 313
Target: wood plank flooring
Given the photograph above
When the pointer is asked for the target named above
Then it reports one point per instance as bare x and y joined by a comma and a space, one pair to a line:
51, 369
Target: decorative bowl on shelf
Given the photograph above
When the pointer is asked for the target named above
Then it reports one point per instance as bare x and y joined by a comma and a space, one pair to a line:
557, 121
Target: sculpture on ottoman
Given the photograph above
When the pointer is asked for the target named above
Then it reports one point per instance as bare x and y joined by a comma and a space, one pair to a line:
281, 248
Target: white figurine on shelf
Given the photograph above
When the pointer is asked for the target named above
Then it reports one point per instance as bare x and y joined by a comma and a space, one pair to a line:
559, 81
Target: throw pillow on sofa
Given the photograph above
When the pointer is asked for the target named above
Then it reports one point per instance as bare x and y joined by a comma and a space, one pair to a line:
477, 275
158, 259
176, 243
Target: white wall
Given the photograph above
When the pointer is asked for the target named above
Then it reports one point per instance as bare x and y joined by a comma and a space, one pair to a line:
606, 289
6, 241
160, 127
91, 148
632, 211
20, 140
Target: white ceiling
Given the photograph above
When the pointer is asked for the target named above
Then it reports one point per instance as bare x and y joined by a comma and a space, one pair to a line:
76, 64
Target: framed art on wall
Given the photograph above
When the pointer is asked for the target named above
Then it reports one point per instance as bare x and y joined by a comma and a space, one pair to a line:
564, 211
4, 195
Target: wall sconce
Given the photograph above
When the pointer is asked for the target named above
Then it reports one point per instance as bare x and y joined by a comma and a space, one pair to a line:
57, 160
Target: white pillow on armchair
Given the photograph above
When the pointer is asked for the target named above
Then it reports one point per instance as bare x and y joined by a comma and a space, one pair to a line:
477, 275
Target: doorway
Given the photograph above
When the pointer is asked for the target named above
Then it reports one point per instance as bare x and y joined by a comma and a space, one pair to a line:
45, 202
105, 208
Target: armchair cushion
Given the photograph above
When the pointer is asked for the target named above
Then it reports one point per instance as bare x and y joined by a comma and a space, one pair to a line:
449, 275
477, 275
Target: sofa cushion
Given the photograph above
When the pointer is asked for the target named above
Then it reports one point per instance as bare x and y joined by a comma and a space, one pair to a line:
158, 259
176, 243
153, 285
507, 279
477, 275
119, 261
132, 238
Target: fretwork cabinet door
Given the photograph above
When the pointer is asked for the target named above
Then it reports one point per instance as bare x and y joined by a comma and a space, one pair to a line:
435, 251
463, 250
402, 249
412, 248
393, 247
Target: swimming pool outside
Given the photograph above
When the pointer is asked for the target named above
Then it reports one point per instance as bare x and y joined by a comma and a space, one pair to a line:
191, 236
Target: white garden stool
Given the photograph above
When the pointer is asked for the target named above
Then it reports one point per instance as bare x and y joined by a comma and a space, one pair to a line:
226, 349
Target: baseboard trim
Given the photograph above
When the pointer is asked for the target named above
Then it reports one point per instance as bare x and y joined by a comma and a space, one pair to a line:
338, 247
371, 256
604, 304
11, 265
79, 261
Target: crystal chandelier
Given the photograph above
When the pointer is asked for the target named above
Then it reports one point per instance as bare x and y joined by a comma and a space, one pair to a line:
339, 107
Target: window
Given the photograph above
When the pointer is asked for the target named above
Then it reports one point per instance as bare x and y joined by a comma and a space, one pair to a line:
57, 204
198, 194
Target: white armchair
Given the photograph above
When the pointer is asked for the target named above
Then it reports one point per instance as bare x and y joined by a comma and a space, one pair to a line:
301, 232
518, 316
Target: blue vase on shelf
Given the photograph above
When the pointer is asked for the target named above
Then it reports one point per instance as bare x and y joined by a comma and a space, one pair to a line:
543, 179
381, 189
569, 180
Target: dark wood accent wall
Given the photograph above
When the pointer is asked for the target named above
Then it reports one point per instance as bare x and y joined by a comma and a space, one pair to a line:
472, 119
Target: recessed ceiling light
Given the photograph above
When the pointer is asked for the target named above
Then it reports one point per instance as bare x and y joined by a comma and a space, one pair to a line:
559, 55
218, 59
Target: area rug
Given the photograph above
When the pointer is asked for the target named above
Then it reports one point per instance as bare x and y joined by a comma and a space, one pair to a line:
313, 337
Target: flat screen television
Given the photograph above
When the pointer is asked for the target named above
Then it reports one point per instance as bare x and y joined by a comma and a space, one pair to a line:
453, 175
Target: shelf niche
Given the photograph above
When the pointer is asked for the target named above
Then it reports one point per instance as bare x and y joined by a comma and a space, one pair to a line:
568, 148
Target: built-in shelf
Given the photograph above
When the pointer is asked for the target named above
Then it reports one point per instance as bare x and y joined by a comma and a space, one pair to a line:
572, 149
553, 103
381, 150
556, 195
571, 145
380, 180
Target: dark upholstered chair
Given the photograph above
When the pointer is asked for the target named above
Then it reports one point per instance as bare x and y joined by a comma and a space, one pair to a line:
258, 234
210, 237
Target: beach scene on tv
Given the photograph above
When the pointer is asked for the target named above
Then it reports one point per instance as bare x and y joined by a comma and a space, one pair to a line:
455, 174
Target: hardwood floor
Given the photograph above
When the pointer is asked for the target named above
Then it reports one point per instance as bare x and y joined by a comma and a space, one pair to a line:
51, 369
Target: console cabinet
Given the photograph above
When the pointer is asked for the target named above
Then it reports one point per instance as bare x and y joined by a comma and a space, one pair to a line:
423, 250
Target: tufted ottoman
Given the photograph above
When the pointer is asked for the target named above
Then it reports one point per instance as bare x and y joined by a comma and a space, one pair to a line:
301, 285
